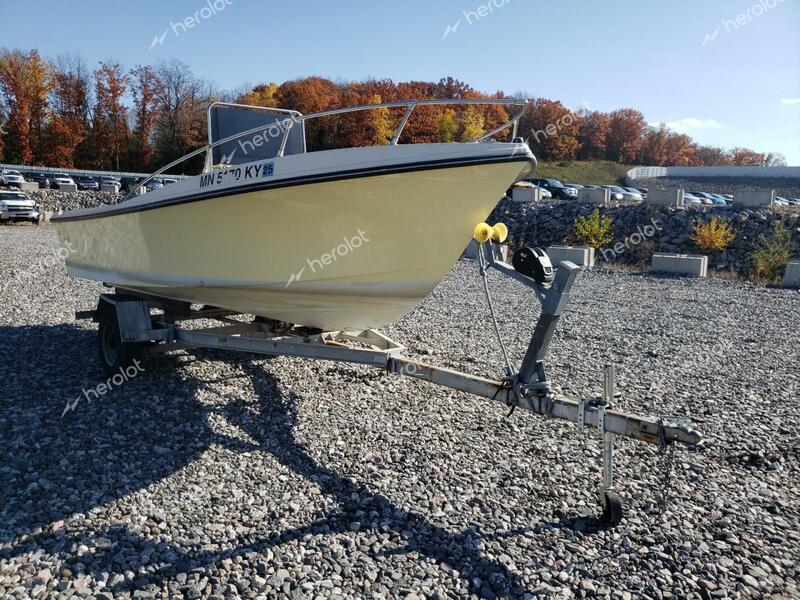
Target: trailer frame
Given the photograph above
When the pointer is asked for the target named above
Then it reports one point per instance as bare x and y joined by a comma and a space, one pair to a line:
137, 325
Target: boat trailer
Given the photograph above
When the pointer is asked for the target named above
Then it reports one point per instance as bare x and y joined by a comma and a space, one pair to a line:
128, 330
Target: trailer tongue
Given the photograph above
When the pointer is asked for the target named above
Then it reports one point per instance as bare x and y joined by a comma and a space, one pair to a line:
128, 331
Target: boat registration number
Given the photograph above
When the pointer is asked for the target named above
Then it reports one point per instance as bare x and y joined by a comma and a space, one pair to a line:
232, 174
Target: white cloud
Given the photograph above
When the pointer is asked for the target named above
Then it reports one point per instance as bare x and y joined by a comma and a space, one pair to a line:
692, 124
790, 100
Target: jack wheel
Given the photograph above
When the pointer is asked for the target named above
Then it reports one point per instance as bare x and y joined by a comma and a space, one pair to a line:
612, 509
115, 355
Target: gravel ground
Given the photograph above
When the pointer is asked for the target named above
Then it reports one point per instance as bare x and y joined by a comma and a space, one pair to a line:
215, 475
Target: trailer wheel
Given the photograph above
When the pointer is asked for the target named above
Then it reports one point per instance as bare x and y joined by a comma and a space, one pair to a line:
612, 509
115, 354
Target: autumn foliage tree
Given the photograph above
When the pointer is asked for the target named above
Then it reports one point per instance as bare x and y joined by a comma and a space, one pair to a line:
310, 95
182, 100
554, 130
145, 86
70, 107
110, 125
626, 128
592, 135
61, 114
24, 84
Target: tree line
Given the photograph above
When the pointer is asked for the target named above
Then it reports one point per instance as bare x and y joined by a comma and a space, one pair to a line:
61, 113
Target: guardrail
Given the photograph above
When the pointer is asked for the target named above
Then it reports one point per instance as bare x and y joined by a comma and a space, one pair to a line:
77, 172
655, 172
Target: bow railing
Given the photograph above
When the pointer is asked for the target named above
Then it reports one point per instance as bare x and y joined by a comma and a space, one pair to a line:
295, 117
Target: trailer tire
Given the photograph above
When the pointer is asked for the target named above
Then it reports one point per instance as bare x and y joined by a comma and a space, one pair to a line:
114, 354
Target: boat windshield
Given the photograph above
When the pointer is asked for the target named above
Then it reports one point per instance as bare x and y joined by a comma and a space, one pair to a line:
225, 120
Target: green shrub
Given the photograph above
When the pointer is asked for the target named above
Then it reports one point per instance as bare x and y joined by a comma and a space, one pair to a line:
772, 252
593, 231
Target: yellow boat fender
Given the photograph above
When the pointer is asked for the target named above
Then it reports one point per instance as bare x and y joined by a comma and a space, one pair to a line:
499, 233
482, 233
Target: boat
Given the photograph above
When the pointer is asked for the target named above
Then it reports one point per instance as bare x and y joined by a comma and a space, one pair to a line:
339, 240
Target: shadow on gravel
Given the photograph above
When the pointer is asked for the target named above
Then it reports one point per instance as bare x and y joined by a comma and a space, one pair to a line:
143, 432
51, 466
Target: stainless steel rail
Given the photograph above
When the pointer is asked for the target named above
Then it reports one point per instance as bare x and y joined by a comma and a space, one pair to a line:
297, 117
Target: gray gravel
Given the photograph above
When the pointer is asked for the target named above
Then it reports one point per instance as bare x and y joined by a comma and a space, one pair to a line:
215, 475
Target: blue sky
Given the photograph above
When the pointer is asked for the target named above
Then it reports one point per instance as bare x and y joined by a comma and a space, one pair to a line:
726, 72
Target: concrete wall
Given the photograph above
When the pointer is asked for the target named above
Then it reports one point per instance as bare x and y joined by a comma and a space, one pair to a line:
526, 194
684, 264
107, 187
580, 255
594, 196
754, 198
664, 197
792, 277
67, 187
29, 186
651, 172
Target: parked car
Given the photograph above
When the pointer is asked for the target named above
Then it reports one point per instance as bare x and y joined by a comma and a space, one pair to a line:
168, 180
722, 198
57, 179
794, 201
11, 178
634, 190
127, 183
710, 197
17, 206
108, 180
689, 198
153, 184
576, 186
42, 179
619, 194
85, 182
642, 191
781, 201
556, 188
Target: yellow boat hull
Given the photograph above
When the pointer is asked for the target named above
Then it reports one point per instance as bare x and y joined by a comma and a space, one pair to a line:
343, 254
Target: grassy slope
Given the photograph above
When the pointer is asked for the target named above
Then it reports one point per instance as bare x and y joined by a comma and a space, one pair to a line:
584, 171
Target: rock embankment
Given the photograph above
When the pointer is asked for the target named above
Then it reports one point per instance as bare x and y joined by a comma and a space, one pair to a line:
641, 230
